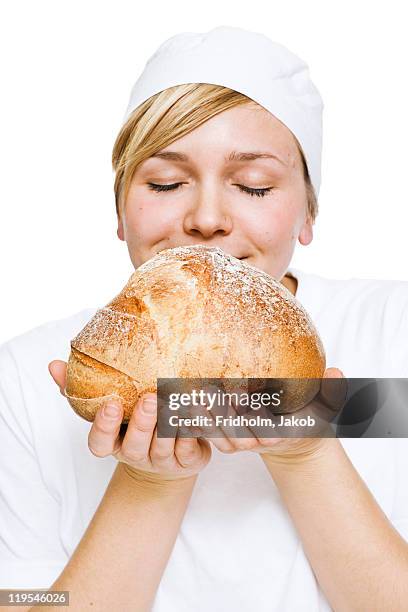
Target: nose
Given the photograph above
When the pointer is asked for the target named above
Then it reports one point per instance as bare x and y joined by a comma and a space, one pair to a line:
208, 215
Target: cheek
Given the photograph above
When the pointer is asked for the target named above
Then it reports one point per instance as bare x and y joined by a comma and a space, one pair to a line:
147, 221
273, 226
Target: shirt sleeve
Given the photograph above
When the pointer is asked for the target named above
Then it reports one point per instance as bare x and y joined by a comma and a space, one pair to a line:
31, 554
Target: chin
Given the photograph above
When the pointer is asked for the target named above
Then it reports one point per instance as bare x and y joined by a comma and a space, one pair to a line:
252, 261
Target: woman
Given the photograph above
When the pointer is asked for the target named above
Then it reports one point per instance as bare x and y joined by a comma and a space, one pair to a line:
192, 524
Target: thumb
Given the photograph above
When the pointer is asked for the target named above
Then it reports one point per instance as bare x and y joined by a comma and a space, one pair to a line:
58, 371
334, 388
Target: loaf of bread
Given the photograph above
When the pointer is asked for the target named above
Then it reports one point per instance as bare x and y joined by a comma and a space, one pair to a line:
193, 312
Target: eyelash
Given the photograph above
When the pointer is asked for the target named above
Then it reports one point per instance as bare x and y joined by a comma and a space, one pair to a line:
259, 192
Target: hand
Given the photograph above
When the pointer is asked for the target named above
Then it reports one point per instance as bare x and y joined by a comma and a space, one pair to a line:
323, 408
137, 446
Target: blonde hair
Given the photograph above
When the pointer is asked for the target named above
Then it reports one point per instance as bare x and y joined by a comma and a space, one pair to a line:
169, 115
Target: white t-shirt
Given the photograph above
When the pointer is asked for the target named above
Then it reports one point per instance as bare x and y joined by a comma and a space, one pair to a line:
237, 548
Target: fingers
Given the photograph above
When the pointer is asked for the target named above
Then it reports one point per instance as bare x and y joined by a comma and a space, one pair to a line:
187, 451
224, 436
334, 389
209, 430
141, 447
333, 373
58, 371
231, 442
103, 438
162, 453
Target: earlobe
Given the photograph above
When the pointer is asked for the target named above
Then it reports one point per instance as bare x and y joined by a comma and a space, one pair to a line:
119, 231
306, 233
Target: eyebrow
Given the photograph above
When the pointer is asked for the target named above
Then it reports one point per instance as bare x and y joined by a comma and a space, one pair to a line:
233, 156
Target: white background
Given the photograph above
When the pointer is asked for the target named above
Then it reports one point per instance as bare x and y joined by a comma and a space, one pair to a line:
67, 71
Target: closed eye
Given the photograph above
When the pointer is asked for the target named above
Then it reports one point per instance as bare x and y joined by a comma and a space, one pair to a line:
257, 191
170, 187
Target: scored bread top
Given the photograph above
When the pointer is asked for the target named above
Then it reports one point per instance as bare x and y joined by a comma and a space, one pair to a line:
197, 311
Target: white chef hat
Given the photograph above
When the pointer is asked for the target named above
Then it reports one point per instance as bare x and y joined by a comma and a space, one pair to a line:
250, 63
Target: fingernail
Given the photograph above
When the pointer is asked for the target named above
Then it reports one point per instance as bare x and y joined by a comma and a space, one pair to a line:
111, 411
149, 405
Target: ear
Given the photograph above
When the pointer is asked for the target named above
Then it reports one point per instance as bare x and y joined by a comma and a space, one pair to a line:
119, 231
306, 232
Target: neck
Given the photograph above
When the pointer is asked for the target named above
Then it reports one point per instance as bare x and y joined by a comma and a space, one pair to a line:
290, 283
